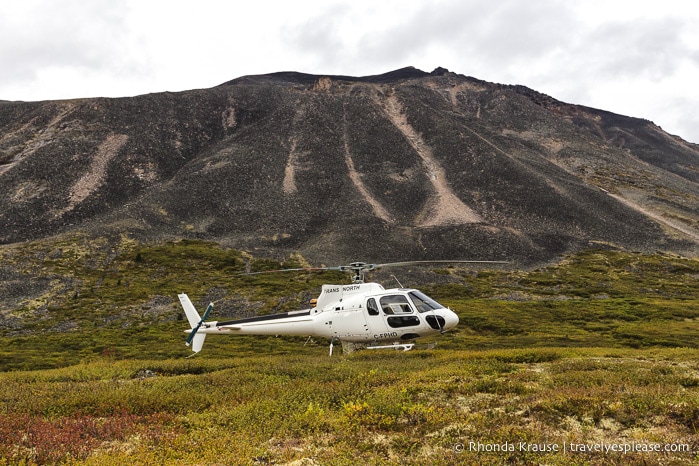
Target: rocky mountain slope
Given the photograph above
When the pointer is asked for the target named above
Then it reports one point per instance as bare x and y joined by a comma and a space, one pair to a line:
405, 165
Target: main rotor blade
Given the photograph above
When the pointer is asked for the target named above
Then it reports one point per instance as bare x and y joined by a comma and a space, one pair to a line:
364, 267
300, 269
404, 264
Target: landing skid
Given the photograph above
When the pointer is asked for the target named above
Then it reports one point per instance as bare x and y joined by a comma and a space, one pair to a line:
403, 346
348, 347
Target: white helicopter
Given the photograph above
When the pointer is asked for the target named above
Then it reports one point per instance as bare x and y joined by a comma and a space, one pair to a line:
360, 315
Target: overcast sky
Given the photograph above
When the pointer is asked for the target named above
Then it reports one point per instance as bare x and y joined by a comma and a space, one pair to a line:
637, 57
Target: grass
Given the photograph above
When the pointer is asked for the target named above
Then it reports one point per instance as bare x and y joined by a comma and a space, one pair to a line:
375, 408
599, 350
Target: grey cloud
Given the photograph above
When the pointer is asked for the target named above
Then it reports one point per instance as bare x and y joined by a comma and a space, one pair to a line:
652, 48
521, 31
681, 115
68, 33
496, 35
319, 36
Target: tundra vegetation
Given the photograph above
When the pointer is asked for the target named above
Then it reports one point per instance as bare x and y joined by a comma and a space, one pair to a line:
593, 353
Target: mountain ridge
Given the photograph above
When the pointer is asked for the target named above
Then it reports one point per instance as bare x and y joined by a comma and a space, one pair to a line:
402, 164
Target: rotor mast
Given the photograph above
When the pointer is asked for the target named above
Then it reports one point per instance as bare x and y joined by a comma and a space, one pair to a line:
358, 269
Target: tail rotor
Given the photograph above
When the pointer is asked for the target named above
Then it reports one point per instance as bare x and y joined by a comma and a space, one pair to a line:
199, 324
195, 322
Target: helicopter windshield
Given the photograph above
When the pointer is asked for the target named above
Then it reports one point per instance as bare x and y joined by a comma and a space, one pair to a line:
424, 303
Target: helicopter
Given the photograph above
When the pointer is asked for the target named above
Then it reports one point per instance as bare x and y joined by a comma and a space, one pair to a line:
359, 316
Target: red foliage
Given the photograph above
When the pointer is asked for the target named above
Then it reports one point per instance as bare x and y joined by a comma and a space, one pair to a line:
35, 439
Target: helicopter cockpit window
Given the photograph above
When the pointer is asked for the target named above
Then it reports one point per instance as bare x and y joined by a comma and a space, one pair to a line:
403, 321
424, 303
395, 304
371, 307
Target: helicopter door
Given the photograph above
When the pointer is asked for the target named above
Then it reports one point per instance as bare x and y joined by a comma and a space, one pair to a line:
398, 312
374, 319
349, 323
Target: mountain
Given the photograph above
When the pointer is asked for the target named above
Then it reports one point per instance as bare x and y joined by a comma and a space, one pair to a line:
404, 165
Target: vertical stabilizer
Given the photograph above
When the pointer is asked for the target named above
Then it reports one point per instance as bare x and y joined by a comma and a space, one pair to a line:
192, 314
